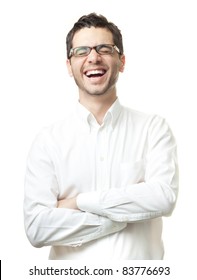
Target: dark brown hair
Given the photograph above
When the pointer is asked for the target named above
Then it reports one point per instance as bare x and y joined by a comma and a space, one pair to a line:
95, 21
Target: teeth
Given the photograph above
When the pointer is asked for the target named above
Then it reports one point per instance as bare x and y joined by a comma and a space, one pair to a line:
95, 72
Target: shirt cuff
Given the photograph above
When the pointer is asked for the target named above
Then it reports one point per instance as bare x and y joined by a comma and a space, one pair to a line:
89, 202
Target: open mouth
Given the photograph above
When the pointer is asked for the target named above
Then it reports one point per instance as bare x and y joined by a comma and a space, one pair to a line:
95, 73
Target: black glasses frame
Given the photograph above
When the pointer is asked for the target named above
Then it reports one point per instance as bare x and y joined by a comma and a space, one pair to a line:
87, 50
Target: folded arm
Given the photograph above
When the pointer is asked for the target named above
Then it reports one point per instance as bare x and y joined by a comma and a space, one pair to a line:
45, 223
153, 197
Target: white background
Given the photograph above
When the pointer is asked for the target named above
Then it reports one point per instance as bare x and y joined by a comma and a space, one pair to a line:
160, 41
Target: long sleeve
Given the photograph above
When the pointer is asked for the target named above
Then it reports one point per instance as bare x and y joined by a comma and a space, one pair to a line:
46, 224
153, 197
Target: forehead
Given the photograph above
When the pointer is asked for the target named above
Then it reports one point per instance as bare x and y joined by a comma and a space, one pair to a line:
92, 36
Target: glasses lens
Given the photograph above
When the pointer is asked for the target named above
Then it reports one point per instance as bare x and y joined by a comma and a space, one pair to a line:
105, 49
81, 51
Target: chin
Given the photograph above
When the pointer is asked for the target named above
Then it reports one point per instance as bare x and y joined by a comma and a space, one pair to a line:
96, 93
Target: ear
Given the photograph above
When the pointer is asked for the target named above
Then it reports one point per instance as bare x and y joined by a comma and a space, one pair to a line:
122, 63
69, 67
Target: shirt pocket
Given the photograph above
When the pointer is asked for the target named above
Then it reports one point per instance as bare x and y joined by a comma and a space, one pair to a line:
132, 172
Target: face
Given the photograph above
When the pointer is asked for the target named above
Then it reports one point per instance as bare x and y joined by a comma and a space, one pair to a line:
95, 74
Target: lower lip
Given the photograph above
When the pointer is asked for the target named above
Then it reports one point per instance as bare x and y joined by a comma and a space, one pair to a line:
99, 79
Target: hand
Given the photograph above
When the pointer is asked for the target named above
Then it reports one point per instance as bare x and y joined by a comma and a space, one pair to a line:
68, 203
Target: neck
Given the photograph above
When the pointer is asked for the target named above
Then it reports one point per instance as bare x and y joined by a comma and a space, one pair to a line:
98, 105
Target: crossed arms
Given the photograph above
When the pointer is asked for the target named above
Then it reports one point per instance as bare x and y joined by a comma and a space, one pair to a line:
92, 215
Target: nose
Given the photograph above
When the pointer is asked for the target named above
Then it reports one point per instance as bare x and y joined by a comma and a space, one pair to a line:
93, 56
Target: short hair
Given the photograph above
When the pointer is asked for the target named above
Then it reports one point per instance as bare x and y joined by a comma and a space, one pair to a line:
94, 20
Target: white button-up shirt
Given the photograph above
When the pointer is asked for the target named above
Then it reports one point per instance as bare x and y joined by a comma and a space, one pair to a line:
124, 173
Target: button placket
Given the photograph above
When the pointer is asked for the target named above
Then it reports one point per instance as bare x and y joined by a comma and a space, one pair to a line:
101, 159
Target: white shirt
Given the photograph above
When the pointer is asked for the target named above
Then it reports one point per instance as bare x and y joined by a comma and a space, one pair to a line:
124, 173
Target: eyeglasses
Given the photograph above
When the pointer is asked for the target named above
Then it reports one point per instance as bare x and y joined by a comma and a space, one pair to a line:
100, 49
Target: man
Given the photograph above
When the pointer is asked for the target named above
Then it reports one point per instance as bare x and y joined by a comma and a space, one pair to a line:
99, 182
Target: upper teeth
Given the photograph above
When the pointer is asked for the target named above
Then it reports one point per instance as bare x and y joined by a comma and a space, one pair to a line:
94, 72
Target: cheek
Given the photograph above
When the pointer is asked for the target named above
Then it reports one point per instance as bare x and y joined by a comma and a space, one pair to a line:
118, 67
75, 69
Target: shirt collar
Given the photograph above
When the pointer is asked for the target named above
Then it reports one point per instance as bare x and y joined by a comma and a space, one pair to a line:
110, 117
114, 112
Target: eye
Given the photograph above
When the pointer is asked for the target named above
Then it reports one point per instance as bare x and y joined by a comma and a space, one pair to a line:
81, 51
105, 49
